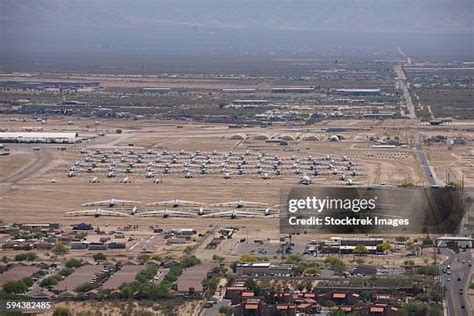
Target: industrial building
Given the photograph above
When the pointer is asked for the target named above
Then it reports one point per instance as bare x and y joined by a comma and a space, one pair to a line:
183, 231
357, 92
347, 245
39, 137
42, 85
264, 268
293, 90
239, 90
248, 103
156, 90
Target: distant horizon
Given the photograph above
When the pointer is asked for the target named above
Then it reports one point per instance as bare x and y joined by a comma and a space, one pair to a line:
237, 28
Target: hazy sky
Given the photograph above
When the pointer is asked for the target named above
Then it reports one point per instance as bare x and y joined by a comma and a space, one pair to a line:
240, 26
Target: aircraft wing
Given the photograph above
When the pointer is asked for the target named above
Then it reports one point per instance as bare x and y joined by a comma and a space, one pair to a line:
126, 202
96, 203
151, 213
253, 203
248, 214
98, 212
172, 202
183, 202
219, 214
112, 213
180, 213
225, 204
169, 213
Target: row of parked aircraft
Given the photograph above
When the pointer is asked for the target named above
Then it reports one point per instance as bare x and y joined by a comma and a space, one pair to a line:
228, 164
258, 210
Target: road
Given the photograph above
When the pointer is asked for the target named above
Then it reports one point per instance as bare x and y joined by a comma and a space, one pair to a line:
457, 304
214, 310
41, 159
425, 165
402, 82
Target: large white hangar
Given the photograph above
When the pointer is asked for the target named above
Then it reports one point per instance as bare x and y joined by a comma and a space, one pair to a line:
39, 137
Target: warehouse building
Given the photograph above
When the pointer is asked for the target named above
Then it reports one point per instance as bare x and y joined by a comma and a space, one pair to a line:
293, 90
239, 90
357, 92
249, 102
264, 269
43, 85
39, 137
156, 90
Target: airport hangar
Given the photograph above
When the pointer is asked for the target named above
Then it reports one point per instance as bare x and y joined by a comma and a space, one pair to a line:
39, 137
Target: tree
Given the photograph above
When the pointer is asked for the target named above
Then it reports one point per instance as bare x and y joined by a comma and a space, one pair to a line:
99, 257
292, 259
401, 238
218, 258
426, 241
335, 264
73, 263
27, 281
226, 310
157, 258
188, 250
61, 311
49, 281
59, 249
66, 272
311, 271
384, 247
118, 131
15, 287
26, 256
360, 250
85, 287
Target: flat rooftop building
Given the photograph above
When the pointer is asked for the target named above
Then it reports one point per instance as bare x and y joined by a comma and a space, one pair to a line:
83, 274
39, 137
192, 278
239, 90
17, 273
156, 90
357, 92
126, 274
264, 268
293, 90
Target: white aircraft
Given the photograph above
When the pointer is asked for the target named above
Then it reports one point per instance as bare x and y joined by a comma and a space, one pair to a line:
166, 213
96, 213
270, 212
175, 203
110, 203
239, 203
201, 211
349, 182
305, 180
94, 180
234, 214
